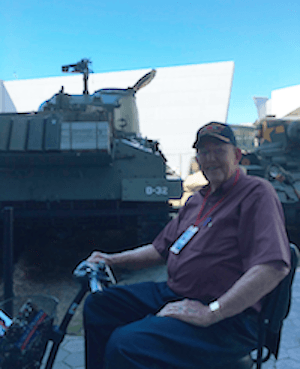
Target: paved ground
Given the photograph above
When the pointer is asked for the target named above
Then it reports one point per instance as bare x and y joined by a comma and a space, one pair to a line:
71, 354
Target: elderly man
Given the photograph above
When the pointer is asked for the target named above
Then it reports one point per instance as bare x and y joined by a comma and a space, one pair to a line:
226, 249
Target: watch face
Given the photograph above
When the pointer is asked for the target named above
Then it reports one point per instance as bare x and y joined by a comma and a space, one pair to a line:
214, 306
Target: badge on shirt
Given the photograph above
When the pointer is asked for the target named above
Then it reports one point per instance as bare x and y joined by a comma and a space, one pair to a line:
184, 239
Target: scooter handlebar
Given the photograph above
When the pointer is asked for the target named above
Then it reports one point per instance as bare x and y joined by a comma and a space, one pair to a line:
96, 275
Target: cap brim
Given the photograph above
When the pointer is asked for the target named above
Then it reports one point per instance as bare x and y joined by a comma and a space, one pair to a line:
215, 135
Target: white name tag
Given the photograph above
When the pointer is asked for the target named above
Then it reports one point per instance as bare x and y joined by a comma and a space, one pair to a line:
183, 239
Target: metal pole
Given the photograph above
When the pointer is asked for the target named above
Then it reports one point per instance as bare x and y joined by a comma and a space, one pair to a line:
8, 255
85, 79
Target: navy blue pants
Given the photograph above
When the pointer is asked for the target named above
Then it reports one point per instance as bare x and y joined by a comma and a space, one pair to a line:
122, 332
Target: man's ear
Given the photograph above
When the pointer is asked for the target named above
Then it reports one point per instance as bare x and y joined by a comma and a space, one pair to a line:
238, 154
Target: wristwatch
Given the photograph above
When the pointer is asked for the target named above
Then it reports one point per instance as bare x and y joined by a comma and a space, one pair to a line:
214, 306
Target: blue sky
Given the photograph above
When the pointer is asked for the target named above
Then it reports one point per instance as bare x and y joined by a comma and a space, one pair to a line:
261, 37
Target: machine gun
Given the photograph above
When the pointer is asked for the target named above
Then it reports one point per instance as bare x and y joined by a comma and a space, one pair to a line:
81, 67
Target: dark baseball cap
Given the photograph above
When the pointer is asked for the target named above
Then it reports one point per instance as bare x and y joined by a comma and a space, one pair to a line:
221, 131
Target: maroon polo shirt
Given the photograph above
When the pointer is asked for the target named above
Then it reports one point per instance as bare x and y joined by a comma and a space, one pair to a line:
246, 229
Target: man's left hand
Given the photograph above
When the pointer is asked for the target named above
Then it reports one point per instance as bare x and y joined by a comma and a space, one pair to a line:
189, 311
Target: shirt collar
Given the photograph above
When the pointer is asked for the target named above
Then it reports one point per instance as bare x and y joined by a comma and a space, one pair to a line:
226, 186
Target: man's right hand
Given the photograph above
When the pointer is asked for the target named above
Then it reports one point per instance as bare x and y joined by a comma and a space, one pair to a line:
97, 256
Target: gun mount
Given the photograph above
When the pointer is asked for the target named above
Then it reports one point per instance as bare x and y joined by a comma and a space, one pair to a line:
80, 67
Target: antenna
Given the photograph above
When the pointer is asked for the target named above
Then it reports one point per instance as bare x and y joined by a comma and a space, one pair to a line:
80, 67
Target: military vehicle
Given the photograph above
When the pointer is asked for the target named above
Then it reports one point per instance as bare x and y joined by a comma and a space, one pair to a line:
79, 172
277, 158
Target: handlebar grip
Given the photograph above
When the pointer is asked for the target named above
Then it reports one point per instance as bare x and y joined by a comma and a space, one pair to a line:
96, 276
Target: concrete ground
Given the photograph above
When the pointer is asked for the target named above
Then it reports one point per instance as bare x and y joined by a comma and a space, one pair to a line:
71, 351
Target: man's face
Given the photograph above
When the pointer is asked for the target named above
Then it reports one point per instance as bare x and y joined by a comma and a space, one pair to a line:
218, 161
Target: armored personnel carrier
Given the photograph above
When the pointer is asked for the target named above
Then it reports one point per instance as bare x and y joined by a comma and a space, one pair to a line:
78, 172
277, 158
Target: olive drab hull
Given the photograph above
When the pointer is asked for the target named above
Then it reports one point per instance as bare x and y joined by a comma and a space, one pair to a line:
80, 163
55, 160
277, 158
